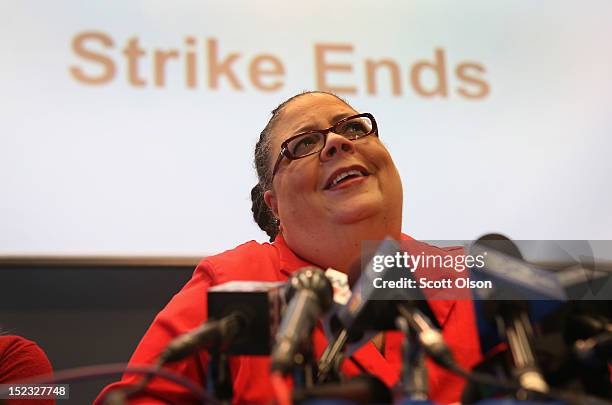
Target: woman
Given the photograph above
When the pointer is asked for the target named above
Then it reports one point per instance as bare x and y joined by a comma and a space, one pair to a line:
319, 195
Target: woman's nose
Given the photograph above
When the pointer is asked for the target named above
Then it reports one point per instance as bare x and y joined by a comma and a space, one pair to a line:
335, 144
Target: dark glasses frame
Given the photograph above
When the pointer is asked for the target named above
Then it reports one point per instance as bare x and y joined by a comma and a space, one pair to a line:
285, 152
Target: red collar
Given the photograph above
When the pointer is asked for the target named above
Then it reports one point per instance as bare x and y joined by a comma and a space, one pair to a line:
289, 261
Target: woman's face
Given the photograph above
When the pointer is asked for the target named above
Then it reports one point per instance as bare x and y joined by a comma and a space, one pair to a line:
301, 196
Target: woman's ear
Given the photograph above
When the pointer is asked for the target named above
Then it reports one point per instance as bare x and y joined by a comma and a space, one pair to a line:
271, 202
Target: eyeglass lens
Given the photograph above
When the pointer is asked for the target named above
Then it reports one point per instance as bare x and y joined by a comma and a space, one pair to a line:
313, 142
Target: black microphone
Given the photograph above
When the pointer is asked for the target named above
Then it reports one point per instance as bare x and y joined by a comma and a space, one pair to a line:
370, 308
363, 389
214, 333
242, 319
504, 306
312, 296
261, 302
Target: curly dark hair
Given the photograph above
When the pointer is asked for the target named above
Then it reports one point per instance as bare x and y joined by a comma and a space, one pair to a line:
261, 212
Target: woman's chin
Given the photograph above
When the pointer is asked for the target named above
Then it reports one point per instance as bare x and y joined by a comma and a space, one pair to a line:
357, 209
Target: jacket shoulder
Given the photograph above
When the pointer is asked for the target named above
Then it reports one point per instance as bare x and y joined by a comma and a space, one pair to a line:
249, 261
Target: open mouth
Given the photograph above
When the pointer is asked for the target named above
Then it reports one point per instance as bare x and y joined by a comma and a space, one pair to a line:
343, 175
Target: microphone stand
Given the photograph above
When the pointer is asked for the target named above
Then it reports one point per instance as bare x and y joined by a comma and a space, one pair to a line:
517, 328
329, 364
220, 377
414, 378
304, 369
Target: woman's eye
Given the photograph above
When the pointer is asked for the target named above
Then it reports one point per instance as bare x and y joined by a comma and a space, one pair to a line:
304, 145
355, 128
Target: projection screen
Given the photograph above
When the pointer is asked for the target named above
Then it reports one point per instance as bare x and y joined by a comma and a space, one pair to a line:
128, 128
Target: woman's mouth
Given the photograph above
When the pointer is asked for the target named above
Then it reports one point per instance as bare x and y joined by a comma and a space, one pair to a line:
348, 183
346, 177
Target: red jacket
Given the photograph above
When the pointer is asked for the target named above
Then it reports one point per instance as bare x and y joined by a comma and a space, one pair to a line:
275, 262
22, 359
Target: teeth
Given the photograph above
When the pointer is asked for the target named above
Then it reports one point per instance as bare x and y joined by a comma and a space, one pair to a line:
345, 174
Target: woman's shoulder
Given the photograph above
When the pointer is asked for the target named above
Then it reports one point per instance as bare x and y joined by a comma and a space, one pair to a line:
21, 358
250, 260
12, 344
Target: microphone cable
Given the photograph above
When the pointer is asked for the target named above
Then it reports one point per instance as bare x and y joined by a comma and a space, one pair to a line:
210, 334
107, 370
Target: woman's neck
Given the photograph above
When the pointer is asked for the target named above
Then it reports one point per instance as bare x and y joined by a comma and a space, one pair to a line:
339, 247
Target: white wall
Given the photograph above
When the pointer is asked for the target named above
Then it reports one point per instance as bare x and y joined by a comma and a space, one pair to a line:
122, 168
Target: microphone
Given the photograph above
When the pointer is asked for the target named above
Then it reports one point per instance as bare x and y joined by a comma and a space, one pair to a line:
514, 281
363, 389
312, 296
524, 293
242, 319
534, 289
370, 308
215, 333
260, 302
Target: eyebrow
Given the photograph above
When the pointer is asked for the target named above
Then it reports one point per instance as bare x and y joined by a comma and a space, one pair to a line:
312, 127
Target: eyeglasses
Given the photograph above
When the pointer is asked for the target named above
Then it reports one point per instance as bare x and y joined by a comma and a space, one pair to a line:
311, 142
